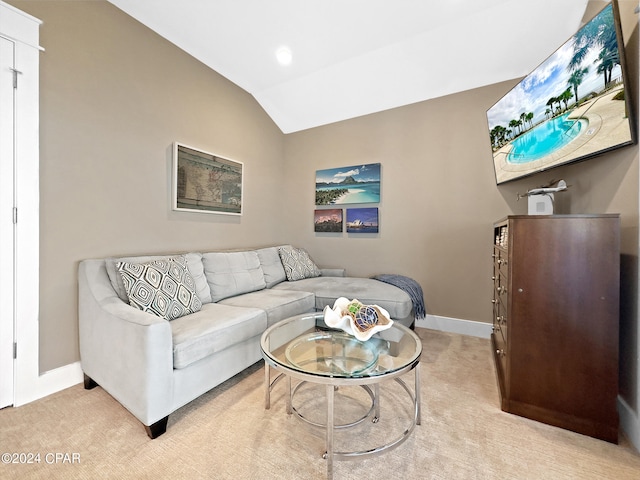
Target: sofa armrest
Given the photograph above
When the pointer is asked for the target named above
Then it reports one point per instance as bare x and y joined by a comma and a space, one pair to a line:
125, 350
333, 272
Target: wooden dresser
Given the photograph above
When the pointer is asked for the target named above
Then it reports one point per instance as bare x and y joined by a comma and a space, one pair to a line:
555, 319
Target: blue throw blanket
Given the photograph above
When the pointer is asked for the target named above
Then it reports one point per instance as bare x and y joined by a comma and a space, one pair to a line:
410, 286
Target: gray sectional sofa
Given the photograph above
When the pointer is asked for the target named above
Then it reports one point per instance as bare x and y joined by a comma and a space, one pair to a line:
155, 352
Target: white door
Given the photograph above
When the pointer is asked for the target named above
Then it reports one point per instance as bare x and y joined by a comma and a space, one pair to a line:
7, 196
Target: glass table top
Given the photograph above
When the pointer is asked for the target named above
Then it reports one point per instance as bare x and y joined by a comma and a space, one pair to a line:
304, 343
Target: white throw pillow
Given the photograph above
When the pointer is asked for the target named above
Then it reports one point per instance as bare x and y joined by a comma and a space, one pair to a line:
194, 264
163, 287
297, 263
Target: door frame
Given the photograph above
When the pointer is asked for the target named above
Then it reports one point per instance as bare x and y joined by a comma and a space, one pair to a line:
23, 31
7, 230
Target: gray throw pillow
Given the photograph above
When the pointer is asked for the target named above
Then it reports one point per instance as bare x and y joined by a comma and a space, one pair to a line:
271, 266
232, 273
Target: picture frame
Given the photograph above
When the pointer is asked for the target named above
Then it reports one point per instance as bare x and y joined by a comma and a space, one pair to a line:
362, 220
328, 220
348, 185
204, 182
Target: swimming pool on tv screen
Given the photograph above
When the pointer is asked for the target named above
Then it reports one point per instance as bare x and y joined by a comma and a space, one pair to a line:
545, 139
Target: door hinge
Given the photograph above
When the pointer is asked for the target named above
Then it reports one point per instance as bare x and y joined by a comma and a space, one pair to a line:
15, 350
15, 77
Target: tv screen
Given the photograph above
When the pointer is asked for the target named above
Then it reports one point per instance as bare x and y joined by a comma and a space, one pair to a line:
572, 107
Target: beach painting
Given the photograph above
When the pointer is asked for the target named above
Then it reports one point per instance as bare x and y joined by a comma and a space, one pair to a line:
347, 185
362, 220
328, 220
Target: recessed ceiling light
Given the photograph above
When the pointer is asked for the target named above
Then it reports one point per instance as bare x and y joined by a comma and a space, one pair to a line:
284, 56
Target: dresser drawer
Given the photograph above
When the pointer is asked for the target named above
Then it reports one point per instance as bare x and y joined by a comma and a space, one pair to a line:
502, 262
500, 293
500, 321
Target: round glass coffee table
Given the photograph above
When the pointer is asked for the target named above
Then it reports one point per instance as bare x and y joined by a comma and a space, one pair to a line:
304, 348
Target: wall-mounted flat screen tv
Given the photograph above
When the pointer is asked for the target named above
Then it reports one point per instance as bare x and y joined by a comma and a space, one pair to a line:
572, 107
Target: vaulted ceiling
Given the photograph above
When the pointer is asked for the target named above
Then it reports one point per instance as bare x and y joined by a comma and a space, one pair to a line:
354, 57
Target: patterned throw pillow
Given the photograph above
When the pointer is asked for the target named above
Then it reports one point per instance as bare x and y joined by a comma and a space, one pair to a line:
297, 263
162, 287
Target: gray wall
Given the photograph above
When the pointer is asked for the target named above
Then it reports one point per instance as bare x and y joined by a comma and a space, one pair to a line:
439, 200
114, 96
439, 197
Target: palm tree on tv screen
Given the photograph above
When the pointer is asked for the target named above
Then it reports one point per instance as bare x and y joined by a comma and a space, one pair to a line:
529, 118
576, 79
608, 60
599, 32
565, 97
514, 124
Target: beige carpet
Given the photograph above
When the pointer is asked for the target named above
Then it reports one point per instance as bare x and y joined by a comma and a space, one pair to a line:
227, 433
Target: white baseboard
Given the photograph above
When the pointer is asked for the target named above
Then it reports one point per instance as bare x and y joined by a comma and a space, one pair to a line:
629, 422
455, 325
48, 383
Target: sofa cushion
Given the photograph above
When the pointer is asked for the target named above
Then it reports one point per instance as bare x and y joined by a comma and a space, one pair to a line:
194, 264
278, 304
232, 273
163, 287
297, 263
213, 329
271, 266
396, 301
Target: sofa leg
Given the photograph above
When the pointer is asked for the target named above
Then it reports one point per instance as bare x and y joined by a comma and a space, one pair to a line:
89, 382
158, 428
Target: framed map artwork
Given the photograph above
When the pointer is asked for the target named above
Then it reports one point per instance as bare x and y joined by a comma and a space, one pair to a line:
206, 183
